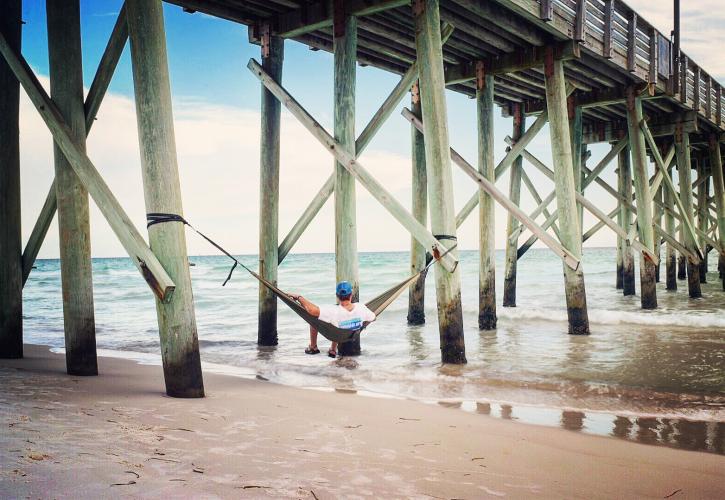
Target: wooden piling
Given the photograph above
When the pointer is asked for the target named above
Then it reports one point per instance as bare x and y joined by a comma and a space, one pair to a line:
346, 263
648, 285
272, 62
162, 193
66, 85
438, 163
11, 266
703, 190
658, 200
512, 225
716, 167
578, 149
569, 226
624, 180
416, 294
486, 209
671, 256
620, 256
682, 148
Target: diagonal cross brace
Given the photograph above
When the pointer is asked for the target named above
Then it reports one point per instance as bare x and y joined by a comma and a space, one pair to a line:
378, 119
567, 256
98, 89
132, 241
350, 163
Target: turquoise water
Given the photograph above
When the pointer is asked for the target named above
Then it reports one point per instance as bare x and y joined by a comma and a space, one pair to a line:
665, 366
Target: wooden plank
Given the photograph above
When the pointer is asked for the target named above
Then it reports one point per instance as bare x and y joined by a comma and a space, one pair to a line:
697, 99
580, 21
487, 318
419, 206
512, 224
547, 10
345, 58
716, 166
429, 47
11, 270
569, 258
316, 16
66, 84
608, 29
708, 96
632, 42
272, 62
346, 158
142, 257
684, 73
653, 56
718, 104
162, 193
96, 93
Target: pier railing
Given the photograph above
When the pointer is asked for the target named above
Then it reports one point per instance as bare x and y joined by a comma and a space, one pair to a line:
612, 29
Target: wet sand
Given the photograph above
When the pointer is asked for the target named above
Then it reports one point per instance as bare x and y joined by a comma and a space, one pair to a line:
118, 435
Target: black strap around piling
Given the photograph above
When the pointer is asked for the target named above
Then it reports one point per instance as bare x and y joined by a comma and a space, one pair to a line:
158, 218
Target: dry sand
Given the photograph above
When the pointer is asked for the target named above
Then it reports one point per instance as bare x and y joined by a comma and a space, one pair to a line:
119, 435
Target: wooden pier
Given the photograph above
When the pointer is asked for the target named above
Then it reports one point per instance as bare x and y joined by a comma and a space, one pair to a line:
593, 70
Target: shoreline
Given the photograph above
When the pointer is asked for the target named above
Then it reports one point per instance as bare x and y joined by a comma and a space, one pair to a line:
625, 424
76, 436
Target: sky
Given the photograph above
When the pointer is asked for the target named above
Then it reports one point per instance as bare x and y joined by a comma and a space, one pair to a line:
216, 110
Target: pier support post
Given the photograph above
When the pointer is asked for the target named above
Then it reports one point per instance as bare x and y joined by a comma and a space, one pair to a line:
66, 88
512, 225
624, 179
682, 149
569, 226
486, 208
658, 200
416, 294
578, 150
440, 178
346, 264
703, 190
716, 167
11, 265
647, 271
162, 193
671, 256
272, 59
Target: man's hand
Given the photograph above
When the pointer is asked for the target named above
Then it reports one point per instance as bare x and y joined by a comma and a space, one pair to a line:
295, 297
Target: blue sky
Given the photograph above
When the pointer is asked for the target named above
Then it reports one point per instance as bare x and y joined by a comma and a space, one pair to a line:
216, 106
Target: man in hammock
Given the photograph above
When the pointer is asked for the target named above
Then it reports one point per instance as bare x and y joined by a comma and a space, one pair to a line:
346, 314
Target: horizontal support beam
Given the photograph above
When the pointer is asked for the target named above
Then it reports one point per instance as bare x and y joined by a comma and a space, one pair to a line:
569, 258
512, 62
132, 241
319, 15
350, 163
660, 126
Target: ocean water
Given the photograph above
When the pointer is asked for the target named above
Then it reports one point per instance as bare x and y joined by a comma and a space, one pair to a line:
652, 376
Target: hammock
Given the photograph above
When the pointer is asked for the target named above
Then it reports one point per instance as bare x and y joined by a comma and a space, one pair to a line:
327, 330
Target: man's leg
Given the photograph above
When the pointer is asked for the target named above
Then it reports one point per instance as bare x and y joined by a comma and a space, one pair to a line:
313, 338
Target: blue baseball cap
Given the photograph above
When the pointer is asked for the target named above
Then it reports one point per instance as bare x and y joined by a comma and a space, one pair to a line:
343, 289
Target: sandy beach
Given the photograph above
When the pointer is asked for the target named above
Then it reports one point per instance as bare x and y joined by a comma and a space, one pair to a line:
119, 435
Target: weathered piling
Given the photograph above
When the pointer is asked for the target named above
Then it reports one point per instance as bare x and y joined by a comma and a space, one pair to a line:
703, 213
648, 288
272, 62
569, 226
162, 193
620, 256
624, 180
682, 148
486, 209
440, 183
416, 294
11, 267
345, 49
671, 256
512, 225
66, 88
716, 166
578, 149
658, 200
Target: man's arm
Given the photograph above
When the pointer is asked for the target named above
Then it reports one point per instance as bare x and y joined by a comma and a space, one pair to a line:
311, 308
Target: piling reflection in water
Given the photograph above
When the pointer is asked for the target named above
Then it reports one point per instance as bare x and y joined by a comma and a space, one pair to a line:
674, 433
